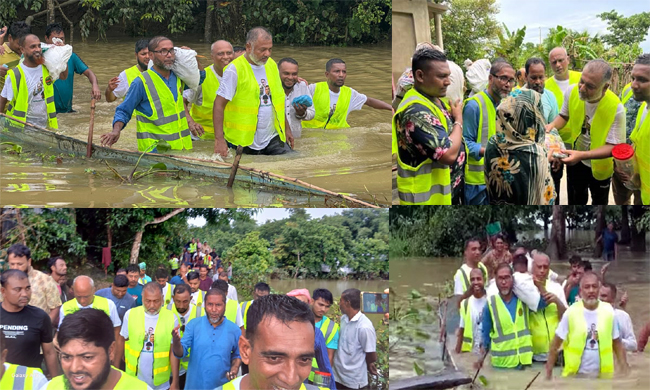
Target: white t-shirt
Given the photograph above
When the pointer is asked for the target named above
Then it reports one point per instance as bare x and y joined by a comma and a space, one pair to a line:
265, 130
616, 134
357, 100
145, 364
563, 85
111, 308
590, 363
195, 297
626, 330
298, 89
36, 110
458, 279
476, 306
122, 85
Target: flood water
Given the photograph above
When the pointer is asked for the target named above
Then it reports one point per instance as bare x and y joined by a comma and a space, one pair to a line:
354, 161
428, 276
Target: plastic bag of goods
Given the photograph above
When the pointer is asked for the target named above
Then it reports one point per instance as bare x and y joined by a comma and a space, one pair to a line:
477, 75
186, 67
624, 160
554, 143
56, 58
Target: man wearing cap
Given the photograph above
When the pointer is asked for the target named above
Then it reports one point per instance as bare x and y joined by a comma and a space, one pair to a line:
144, 278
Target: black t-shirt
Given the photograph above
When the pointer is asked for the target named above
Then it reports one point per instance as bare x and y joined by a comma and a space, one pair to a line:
24, 332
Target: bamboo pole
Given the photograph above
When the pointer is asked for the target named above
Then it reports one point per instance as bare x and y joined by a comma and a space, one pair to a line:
89, 147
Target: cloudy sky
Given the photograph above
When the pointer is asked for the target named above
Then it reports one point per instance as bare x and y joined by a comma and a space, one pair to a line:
271, 214
576, 14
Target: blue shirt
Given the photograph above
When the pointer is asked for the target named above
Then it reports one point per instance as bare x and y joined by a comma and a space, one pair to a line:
512, 309
176, 280
63, 88
334, 344
122, 305
609, 240
471, 116
136, 97
549, 104
322, 358
212, 351
136, 292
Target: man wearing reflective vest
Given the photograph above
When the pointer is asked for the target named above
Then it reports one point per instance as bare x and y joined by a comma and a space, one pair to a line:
184, 312
85, 298
14, 376
249, 107
506, 332
640, 135
544, 321
589, 332
118, 86
333, 101
472, 256
197, 294
293, 88
155, 99
428, 139
146, 338
479, 124
201, 101
261, 289
166, 287
592, 121
28, 92
322, 299
468, 336
233, 311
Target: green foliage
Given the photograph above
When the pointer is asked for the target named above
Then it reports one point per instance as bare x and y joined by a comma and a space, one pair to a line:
509, 44
252, 262
625, 30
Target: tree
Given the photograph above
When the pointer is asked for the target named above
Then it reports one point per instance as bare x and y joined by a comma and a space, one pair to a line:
640, 225
252, 262
625, 226
135, 249
468, 28
625, 30
557, 243
509, 44
600, 228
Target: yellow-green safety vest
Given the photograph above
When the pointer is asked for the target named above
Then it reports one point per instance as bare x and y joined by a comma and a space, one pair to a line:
551, 85
99, 303
167, 122
468, 335
429, 182
192, 248
329, 329
603, 119
132, 73
322, 108
168, 292
231, 310
543, 324
201, 112
126, 382
161, 344
626, 93
511, 342
244, 310
18, 106
195, 312
200, 297
465, 275
640, 137
240, 114
475, 169
231, 386
574, 345
18, 378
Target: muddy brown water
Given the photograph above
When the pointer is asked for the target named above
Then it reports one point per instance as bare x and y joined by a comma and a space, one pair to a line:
354, 161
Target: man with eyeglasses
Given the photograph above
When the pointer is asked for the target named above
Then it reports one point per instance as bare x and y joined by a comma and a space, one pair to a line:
158, 88
591, 121
479, 124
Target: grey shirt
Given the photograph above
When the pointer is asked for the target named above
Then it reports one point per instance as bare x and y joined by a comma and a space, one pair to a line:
299, 89
122, 305
357, 338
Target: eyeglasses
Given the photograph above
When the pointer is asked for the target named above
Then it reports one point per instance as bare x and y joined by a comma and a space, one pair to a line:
182, 324
505, 79
165, 52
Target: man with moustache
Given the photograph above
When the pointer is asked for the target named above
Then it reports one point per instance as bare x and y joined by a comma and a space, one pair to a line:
118, 86
87, 346
199, 117
58, 271
117, 293
589, 332
158, 88
333, 101
249, 107
213, 340
479, 125
146, 341
472, 261
29, 89
184, 312
471, 310
608, 294
288, 68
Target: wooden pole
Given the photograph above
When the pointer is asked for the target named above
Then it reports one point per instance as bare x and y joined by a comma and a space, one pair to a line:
235, 166
89, 148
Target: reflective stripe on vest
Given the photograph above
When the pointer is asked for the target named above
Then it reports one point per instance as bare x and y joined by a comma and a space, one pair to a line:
543, 324
126, 382
199, 298
329, 329
195, 311
474, 169
429, 182
168, 292
231, 310
18, 377
161, 344
468, 334
167, 122
322, 108
640, 137
99, 303
551, 85
240, 114
602, 121
574, 345
511, 342
19, 104
626, 93
201, 112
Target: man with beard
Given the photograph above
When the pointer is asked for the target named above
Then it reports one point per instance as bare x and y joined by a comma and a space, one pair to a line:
146, 340
245, 112
14, 376
288, 68
87, 347
333, 101
118, 86
157, 88
471, 309
58, 271
184, 311
214, 343
27, 328
479, 125
201, 101
472, 261
589, 331
591, 122
233, 311
29, 88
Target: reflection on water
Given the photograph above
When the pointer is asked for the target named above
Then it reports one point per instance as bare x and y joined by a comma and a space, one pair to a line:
631, 273
353, 161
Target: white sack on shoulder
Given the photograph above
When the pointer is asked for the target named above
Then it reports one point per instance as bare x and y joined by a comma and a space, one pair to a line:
186, 67
56, 58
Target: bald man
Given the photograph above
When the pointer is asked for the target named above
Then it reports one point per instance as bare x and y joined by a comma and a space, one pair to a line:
199, 117
591, 121
85, 298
